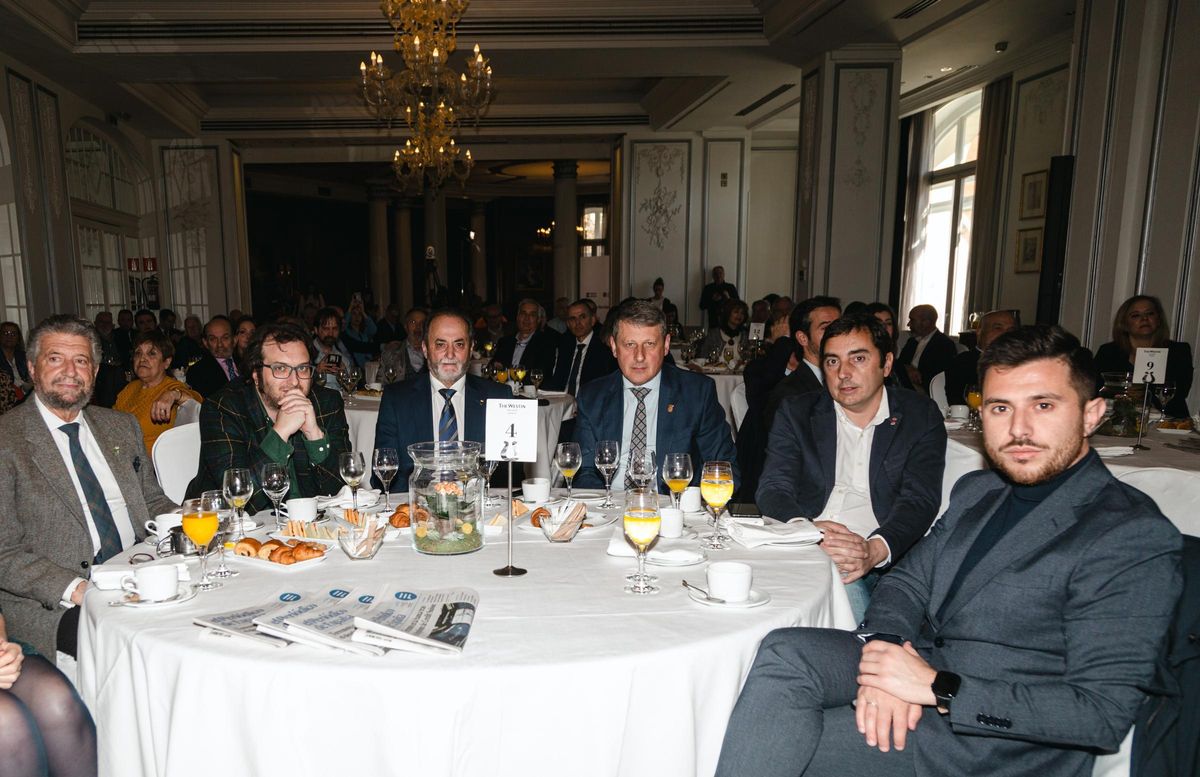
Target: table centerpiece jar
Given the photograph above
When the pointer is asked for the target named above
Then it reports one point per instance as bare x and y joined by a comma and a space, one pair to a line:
444, 489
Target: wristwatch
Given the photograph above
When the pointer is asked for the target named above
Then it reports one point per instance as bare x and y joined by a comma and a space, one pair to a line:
945, 688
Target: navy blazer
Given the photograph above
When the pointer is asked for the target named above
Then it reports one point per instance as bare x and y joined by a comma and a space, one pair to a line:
908, 456
207, 376
406, 417
938, 353
538, 354
690, 419
598, 360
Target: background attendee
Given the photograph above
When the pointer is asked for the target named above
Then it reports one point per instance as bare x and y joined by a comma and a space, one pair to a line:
153, 397
406, 358
530, 347
123, 334
885, 315
444, 404
217, 367
358, 333
189, 349
658, 300
808, 322
714, 294
145, 320
1140, 322
331, 356
12, 357
167, 321
963, 371
390, 328
281, 414
89, 463
760, 312
583, 355
864, 461
492, 326
559, 322
243, 330
928, 351
111, 377
731, 332
649, 404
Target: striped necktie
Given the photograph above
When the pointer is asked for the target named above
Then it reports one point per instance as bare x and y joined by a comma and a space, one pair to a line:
230, 368
448, 425
93, 492
576, 366
637, 439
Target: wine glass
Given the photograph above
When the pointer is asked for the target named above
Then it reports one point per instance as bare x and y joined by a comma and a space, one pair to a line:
352, 467
487, 371
487, 348
568, 459
214, 501
608, 458
641, 523
641, 467
1164, 393
386, 462
390, 375
716, 486
536, 377
238, 487
488, 467
275, 484
518, 372
200, 526
974, 401
677, 474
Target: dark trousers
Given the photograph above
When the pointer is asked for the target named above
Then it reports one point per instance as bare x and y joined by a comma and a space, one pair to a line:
68, 633
794, 715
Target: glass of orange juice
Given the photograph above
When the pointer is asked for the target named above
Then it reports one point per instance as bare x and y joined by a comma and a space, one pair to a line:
716, 488
974, 401
200, 526
641, 523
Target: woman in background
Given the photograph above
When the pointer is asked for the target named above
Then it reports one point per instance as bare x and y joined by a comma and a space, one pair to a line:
731, 332
153, 397
1140, 322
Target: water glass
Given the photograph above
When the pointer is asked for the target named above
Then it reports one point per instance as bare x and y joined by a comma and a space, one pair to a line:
608, 458
386, 462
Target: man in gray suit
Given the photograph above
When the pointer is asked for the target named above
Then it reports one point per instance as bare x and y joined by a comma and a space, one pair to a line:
1015, 639
76, 487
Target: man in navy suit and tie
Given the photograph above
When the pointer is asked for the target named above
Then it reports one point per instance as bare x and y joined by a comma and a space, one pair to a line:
864, 461
650, 404
443, 404
583, 354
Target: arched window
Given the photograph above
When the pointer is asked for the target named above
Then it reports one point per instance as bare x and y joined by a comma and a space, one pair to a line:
112, 201
14, 305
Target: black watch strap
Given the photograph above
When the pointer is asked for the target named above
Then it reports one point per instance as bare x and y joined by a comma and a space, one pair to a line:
945, 688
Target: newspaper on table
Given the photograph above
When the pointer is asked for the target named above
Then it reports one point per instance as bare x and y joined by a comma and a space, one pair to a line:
243, 622
331, 623
432, 622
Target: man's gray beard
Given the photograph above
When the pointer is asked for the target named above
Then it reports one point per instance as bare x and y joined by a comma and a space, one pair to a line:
50, 400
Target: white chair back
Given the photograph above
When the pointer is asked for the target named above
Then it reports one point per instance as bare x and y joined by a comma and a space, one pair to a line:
176, 457
737, 403
1177, 494
188, 412
937, 392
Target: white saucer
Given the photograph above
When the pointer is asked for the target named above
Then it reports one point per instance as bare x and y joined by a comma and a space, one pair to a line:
756, 599
587, 497
660, 562
185, 595
1176, 432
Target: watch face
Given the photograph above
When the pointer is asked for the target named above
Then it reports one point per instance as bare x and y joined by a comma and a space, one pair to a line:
945, 685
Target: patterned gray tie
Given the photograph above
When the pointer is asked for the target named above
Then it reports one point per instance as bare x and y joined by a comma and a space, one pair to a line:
637, 440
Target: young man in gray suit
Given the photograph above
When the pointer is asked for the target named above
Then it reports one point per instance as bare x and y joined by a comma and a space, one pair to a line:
76, 487
1015, 639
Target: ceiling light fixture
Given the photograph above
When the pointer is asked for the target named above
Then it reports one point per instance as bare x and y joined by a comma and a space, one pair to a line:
428, 94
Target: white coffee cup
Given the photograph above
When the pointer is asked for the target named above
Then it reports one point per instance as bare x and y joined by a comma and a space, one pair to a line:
152, 583
729, 580
302, 509
671, 523
689, 500
162, 523
375, 386
959, 412
535, 490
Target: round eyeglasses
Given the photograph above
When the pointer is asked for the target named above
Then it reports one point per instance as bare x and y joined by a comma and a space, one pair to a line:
284, 371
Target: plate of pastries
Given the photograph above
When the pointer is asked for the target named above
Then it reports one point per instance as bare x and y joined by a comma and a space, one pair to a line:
279, 555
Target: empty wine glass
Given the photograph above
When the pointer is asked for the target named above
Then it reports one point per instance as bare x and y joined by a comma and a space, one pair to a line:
275, 484
536, 377
386, 462
238, 486
214, 501
677, 474
390, 375
641, 467
352, 467
1164, 393
608, 458
488, 468
568, 460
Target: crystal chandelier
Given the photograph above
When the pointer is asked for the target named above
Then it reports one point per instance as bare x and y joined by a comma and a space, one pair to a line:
428, 94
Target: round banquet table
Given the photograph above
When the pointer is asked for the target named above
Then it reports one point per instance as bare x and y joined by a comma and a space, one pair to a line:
363, 415
563, 673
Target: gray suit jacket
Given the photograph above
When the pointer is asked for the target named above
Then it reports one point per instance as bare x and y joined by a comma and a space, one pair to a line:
1054, 632
44, 538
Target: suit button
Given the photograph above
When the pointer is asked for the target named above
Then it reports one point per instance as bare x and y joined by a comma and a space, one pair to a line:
84, 564
938, 642
981, 719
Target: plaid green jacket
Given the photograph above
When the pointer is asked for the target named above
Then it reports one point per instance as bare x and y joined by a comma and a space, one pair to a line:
233, 425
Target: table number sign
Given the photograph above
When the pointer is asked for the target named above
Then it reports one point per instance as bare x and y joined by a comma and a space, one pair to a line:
511, 430
1150, 365
756, 331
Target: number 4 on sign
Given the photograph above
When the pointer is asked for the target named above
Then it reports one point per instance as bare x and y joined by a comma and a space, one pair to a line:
1149, 365
510, 430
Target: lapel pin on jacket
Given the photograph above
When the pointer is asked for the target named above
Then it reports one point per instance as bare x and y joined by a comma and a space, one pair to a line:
671, 408
137, 463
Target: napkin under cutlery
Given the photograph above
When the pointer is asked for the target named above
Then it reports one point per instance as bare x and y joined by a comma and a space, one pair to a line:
799, 532
672, 551
344, 498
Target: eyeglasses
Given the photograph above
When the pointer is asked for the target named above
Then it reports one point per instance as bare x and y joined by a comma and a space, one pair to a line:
284, 371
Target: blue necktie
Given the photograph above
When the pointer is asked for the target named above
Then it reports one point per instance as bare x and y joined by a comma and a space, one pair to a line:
448, 426
110, 539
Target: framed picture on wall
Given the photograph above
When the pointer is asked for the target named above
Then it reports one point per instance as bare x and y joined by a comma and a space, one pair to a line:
1029, 250
1033, 194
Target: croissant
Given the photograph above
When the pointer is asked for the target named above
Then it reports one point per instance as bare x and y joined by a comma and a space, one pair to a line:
278, 554
536, 518
306, 552
400, 519
267, 548
247, 547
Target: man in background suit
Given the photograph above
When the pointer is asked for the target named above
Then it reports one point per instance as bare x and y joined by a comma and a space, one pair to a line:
808, 322
76, 487
649, 404
863, 460
583, 354
928, 351
217, 367
530, 347
1016, 639
443, 404
964, 370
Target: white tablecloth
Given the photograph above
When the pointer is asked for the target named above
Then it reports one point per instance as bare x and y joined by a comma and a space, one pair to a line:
564, 674
364, 414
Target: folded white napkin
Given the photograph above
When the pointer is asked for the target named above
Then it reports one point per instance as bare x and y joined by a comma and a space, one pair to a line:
801, 532
107, 577
1113, 451
676, 551
344, 498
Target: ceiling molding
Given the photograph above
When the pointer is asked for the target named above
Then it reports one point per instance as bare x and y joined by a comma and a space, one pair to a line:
235, 127
54, 18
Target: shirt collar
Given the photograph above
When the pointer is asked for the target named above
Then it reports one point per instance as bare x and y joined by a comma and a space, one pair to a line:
651, 384
51, 420
587, 340
815, 370
459, 385
882, 414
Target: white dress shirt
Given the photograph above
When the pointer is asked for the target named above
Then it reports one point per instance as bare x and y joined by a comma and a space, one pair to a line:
519, 348
921, 343
628, 409
578, 354
850, 501
458, 402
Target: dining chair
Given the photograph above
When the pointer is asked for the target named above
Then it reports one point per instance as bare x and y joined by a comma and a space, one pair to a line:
188, 412
1176, 492
738, 404
937, 392
176, 457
